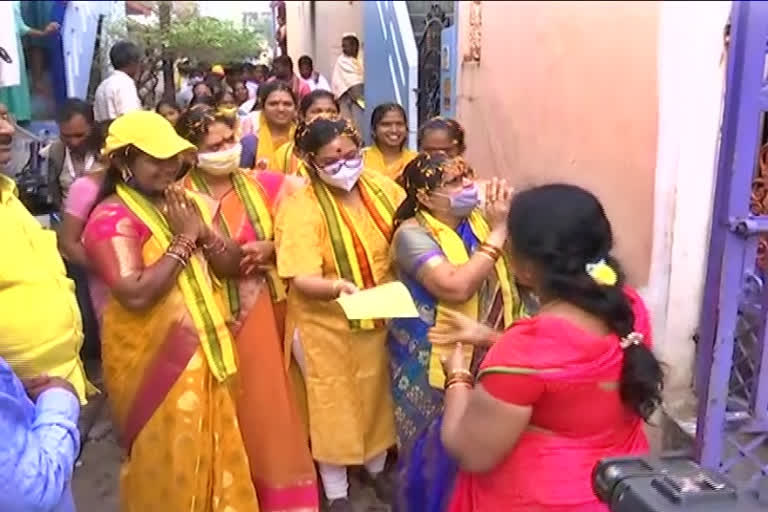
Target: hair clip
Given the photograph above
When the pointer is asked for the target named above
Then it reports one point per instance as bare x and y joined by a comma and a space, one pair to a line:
602, 273
633, 338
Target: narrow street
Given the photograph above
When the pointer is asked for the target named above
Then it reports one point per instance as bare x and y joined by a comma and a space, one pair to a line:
97, 472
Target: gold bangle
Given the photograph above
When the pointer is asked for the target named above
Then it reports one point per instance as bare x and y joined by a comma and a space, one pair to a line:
461, 384
463, 373
178, 258
485, 255
453, 381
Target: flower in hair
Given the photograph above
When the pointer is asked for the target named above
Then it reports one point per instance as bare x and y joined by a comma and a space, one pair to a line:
602, 273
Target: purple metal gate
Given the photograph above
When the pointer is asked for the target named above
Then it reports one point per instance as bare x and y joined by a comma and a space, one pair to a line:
732, 367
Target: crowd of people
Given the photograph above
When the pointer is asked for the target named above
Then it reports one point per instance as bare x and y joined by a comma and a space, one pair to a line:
209, 240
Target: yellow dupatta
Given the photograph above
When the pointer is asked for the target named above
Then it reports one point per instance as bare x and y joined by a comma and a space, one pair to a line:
287, 162
198, 294
351, 254
266, 149
259, 217
456, 253
373, 158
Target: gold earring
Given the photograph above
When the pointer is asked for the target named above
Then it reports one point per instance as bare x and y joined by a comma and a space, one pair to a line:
126, 173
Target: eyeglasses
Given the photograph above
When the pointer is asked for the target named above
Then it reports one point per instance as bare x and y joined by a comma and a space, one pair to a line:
336, 166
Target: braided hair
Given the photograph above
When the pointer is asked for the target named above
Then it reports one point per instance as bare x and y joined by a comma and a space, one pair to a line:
562, 229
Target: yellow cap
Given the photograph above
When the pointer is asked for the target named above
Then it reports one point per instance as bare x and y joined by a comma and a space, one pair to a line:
148, 131
217, 70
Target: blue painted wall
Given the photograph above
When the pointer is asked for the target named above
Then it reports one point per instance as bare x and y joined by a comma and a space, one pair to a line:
391, 61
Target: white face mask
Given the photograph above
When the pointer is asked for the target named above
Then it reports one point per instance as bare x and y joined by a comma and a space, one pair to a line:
345, 177
220, 163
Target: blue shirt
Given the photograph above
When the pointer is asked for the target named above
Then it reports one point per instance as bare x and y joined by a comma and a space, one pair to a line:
39, 443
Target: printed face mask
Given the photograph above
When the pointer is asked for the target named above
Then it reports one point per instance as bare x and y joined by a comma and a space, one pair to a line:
220, 163
343, 174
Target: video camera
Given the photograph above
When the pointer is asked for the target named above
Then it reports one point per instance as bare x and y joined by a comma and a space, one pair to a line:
670, 484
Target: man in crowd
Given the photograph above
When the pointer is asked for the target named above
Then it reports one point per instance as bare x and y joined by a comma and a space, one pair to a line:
283, 69
313, 78
117, 94
39, 440
347, 80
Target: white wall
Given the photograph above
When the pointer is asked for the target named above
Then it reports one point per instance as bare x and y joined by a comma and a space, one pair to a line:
691, 81
321, 40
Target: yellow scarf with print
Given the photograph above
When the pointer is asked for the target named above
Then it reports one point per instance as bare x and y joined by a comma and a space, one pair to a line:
351, 254
456, 253
373, 158
259, 217
265, 152
215, 337
287, 162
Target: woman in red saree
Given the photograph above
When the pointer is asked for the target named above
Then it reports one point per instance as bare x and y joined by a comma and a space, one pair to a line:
559, 391
275, 438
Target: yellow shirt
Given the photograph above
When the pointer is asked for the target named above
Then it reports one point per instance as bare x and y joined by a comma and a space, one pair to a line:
40, 324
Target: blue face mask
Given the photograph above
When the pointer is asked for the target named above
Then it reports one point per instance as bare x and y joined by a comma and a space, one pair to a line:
464, 201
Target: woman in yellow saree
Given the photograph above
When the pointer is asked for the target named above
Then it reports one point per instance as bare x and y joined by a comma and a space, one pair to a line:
168, 354
286, 159
275, 438
333, 238
389, 129
274, 123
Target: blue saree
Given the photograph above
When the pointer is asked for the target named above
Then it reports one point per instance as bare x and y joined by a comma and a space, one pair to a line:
427, 472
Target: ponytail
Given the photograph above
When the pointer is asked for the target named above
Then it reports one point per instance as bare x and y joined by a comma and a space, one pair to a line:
563, 230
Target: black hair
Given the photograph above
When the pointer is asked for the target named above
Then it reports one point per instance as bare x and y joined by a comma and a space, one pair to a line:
351, 38
219, 96
316, 133
248, 67
124, 54
167, 103
452, 126
268, 88
76, 107
73, 107
194, 123
380, 111
305, 59
414, 179
309, 100
560, 229
203, 99
283, 60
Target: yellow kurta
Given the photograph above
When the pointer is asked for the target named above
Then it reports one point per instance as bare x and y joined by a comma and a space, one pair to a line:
374, 159
41, 326
347, 372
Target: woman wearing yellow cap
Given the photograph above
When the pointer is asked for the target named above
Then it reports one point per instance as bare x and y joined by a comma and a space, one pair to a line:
168, 354
275, 439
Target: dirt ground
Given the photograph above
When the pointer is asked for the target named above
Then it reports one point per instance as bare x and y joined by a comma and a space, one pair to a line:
95, 484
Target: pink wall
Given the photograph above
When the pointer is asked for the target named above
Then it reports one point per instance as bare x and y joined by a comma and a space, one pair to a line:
566, 91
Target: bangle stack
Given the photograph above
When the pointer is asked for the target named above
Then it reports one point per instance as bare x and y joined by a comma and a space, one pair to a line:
489, 251
181, 249
461, 378
215, 246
